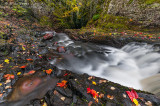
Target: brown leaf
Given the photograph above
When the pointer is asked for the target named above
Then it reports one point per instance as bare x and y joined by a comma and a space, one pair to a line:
148, 103
102, 81
89, 78
101, 95
63, 98
113, 88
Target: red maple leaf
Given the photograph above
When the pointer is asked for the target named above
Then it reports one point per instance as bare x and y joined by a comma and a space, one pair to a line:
92, 92
62, 84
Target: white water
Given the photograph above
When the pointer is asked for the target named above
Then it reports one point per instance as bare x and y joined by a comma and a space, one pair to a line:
127, 66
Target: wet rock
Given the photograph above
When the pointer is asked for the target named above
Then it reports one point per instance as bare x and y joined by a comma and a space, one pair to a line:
48, 36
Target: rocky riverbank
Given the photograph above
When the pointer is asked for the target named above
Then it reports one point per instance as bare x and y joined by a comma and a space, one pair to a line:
28, 78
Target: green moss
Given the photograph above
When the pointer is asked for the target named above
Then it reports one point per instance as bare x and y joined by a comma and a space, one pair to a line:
115, 26
148, 2
45, 21
95, 17
110, 22
1, 34
19, 10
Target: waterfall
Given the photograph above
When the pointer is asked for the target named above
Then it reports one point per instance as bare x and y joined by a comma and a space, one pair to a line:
129, 66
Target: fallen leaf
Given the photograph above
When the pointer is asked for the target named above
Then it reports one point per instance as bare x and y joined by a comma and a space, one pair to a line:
102, 81
148, 103
92, 92
1, 65
23, 67
1, 95
113, 88
49, 71
44, 104
62, 84
94, 83
31, 72
7, 87
29, 59
124, 95
63, 98
101, 95
110, 97
9, 76
89, 78
19, 73
133, 96
7, 61
7, 81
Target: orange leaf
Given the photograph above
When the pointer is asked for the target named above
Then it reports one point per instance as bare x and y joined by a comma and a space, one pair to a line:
49, 71
31, 72
29, 59
23, 67
9, 76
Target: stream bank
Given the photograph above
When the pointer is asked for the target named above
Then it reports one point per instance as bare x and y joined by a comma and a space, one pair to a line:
28, 56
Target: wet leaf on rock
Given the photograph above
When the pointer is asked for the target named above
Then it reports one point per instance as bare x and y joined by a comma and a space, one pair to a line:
62, 84
89, 78
94, 83
29, 59
23, 67
1, 95
63, 98
49, 71
113, 88
148, 103
9, 76
101, 95
110, 97
19, 73
7, 61
1, 65
92, 92
102, 81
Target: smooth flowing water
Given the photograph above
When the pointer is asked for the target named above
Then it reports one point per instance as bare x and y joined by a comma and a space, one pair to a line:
130, 66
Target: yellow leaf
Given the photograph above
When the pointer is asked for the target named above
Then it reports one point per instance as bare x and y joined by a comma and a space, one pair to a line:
93, 82
44, 104
6, 60
0, 84
110, 33
135, 102
19, 73
23, 48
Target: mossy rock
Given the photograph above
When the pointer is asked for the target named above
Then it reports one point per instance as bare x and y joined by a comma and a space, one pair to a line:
2, 42
109, 22
3, 48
